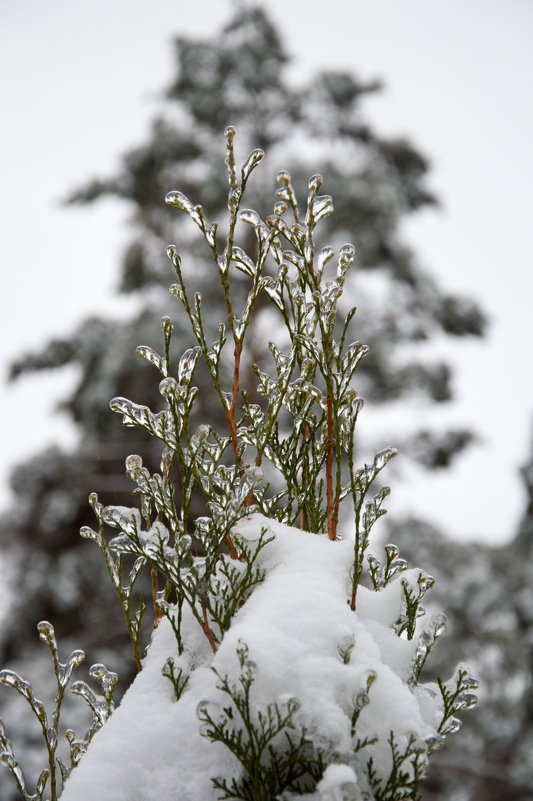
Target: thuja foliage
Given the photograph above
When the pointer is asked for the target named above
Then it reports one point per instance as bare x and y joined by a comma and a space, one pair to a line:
53, 776
240, 72
286, 452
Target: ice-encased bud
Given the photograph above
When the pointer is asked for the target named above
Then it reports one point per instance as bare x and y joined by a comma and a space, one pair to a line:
382, 457
51, 736
89, 533
168, 386
283, 177
97, 671
434, 743
250, 216
399, 564
252, 161
166, 323
315, 182
150, 355
75, 658
470, 682
392, 550
451, 726
292, 703
46, 631
466, 700
178, 199
134, 462
167, 457
176, 289
230, 131
347, 251
254, 475
425, 639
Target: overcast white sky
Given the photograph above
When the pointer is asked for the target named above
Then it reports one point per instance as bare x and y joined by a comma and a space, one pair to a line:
78, 86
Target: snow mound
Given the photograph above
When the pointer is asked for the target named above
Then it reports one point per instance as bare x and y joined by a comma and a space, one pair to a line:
307, 643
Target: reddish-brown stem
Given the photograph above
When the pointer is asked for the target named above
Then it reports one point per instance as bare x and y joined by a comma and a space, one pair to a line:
332, 504
232, 425
230, 412
303, 515
158, 614
207, 631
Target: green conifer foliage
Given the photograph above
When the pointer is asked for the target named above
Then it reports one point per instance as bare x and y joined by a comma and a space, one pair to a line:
236, 76
275, 473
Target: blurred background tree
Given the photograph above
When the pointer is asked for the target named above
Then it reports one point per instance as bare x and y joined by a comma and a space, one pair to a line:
240, 77
488, 595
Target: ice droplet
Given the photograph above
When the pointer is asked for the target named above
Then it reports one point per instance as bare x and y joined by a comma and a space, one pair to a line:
211, 234
392, 550
434, 743
133, 462
167, 386
324, 256
399, 564
252, 161
382, 457
283, 177
166, 323
250, 216
167, 457
425, 639
254, 475
51, 736
230, 131
200, 436
89, 534
315, 182
97, 671
123, 517
451, 726
233, 200
347, 251
176, 289
187, 363
470, 682
46, 631
75, 659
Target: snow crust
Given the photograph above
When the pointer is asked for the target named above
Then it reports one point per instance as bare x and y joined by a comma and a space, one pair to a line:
293, 624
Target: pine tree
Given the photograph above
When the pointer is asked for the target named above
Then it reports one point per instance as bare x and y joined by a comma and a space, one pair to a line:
237, 76
334, 707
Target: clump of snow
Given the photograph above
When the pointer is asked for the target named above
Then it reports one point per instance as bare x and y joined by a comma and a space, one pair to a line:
296, 626
336, 778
